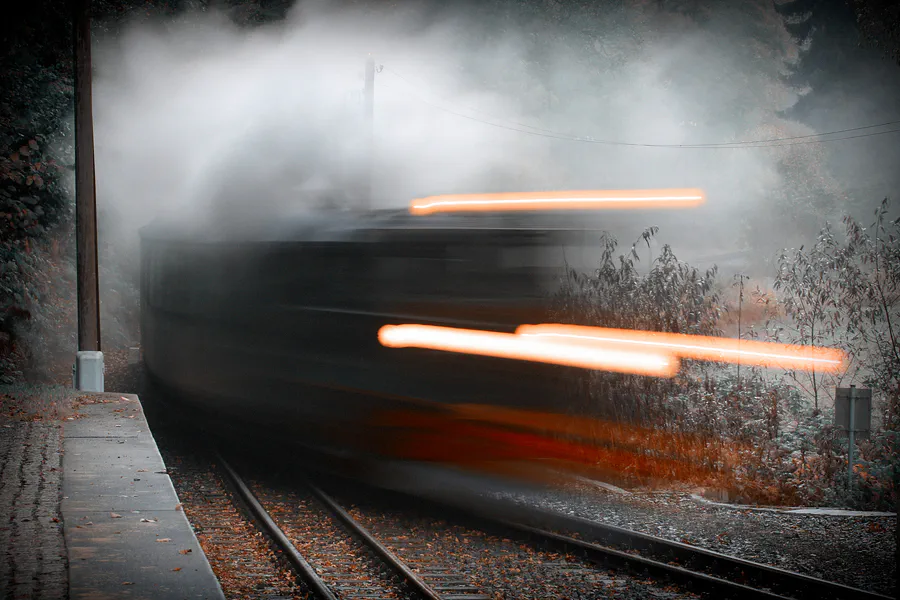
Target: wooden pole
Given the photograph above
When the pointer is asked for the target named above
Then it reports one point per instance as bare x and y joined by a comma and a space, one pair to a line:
85, 187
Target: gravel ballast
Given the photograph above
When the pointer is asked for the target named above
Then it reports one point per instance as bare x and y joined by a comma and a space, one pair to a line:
853, 549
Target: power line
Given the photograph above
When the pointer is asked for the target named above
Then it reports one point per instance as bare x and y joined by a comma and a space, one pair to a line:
549, 133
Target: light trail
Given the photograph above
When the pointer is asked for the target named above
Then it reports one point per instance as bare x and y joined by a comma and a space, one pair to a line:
571, 200
657, 363
764, 354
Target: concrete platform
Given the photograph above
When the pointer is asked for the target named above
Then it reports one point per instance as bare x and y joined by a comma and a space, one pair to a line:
126, 535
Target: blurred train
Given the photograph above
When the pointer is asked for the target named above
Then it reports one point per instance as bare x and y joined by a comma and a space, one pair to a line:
277, 324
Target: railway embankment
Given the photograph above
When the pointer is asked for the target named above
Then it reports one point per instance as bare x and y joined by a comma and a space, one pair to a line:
855, 548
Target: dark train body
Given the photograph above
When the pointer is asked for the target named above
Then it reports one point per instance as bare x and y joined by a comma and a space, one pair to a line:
278, 326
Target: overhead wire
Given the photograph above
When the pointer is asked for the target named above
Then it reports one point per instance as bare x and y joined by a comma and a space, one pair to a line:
549, 133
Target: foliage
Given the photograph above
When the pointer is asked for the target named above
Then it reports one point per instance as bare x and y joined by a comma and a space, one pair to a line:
809, 293
879, 21
33, 206
37, 315
869, 266
847, 293
842, 292
672, 297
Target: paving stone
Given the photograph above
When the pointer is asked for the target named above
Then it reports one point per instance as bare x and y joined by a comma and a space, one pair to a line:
33, 562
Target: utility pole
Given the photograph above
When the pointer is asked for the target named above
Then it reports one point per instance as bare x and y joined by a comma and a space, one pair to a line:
369, 133
89, 361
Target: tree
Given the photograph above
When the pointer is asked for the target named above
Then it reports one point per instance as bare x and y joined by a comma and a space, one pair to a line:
843, 84
36, 245
672, 297
879, 20
869, 265
809, 291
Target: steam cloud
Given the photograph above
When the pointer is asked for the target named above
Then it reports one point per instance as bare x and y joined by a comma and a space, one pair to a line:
200, 119
209, 123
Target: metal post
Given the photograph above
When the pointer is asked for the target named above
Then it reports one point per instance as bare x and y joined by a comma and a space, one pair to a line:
88, 294
369, 117
850, 430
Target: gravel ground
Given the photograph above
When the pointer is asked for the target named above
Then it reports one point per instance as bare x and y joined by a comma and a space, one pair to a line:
853, 550
239, 554
501, 567
345, 565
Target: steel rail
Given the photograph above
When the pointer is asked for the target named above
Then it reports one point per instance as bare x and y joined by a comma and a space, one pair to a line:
720, 571
383, 552
692, 580
781, 581
301, 567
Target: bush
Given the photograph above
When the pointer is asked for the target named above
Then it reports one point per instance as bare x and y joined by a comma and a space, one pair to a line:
767, 437
672, 297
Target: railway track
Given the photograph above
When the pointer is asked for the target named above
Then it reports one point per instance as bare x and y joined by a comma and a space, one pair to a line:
698, 569
386, 561
338, 558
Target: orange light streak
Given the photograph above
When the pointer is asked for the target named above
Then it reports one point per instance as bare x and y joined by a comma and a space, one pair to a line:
570, 200
763, 354
507, 345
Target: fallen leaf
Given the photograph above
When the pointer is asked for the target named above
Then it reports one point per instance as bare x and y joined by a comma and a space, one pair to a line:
187, 551
164, 540
177, 569
149, 520
127, 583
142, 470
179, 506
115, 516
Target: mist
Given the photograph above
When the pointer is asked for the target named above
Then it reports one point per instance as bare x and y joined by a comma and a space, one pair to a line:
196, 113
213, 124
